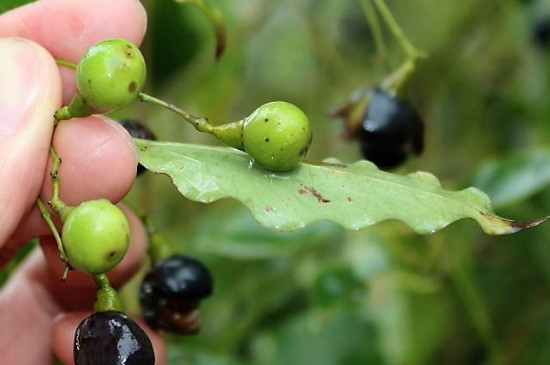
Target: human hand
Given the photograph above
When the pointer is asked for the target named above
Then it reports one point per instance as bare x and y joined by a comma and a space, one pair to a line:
38, 312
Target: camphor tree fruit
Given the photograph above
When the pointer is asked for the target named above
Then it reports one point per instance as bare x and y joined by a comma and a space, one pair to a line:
390, 129
111, 338
139, 130
95, 236
110, 75
170, 294
277, 136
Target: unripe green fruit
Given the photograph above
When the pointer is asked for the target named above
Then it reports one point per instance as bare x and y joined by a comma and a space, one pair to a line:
110, 75
95, 236
277, 136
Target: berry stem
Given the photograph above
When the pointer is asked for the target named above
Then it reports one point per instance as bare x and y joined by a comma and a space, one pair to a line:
397, 32
157, 249
55, 202
374, 24
201, 124
397, 82
65, 63
49, 221
229, 133
106, 298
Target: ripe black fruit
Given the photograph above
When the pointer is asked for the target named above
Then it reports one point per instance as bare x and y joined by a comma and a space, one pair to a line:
138, 130
111, 338
390, 129
171, 292
541, 32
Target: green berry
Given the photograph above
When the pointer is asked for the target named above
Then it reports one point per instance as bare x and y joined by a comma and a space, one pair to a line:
95, 236
110, 75
277, 136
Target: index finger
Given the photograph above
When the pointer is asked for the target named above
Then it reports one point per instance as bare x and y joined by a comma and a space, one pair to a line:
67, 28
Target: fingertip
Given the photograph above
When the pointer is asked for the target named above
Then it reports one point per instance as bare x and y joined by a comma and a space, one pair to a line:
99, 160
30, 92
63, 332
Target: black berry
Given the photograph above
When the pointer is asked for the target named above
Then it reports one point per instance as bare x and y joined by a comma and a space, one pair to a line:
111, 338
390, 129
138, 130
541, 32
171, 292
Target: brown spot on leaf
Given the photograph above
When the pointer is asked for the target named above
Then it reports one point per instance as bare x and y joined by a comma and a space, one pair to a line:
311, 190
268, 208
518, 226
349, 199
143, 148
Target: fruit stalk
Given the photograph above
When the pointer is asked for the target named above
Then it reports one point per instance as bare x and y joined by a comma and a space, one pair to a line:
49, 221
157, 249
397, 32
106, 297
55, 202
201, 124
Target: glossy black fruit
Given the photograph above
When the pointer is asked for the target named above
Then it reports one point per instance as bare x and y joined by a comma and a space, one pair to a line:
171, 292
541, 32
390, 130
111, 338
138, 130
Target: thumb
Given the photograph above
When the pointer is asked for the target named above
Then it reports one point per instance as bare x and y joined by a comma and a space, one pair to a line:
30, 92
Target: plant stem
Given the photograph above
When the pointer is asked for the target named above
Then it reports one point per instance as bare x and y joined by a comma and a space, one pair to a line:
397, 32
107, 298
48, 218
157, 248
201, 124
55, 202
374, 24
473, 300
215, 17
65, 63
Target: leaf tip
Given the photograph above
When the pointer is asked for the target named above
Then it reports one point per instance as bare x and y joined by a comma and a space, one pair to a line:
518, 226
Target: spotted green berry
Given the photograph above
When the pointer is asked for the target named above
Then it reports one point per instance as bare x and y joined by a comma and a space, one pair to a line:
277, 136
110, 75
95, 236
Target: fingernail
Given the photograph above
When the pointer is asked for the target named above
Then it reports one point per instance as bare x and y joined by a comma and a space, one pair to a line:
18, 84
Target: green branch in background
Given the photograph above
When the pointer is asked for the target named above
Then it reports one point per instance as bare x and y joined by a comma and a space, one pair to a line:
215, 17
374, 24
411, 51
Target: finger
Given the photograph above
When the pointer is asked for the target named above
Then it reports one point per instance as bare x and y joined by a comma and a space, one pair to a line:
98, 161
66, 28
30, 92
27, 313
78, 291
65, 327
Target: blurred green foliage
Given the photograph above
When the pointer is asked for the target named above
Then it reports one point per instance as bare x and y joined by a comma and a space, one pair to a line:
384, 295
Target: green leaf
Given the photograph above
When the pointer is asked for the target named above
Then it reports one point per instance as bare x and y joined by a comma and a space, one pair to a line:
355, 195
7, 5
513, 178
